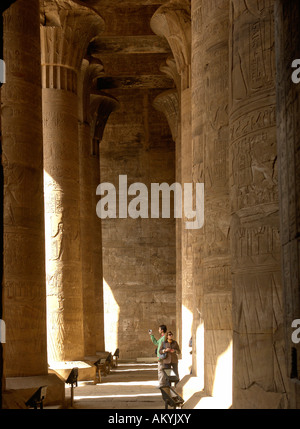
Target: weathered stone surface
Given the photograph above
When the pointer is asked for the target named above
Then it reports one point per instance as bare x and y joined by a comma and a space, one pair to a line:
287, 37
24, 291
22, 388
171, 90
130, 45
92, 286
168, 103
173, 22
63, 49
211, 245
257, 290
138, 254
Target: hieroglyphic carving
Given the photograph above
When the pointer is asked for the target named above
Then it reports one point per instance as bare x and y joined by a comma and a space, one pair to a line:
254, 198
90, 225
253, 69
138, 254
287, 38
210, 131
94, 111
66, 30
24, 291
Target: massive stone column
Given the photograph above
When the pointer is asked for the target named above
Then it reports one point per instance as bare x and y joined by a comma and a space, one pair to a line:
210, 31
92, 287
67, 29
172, 21
287, 42
169, 104
24, 290
94, 111
101, 106
258, 357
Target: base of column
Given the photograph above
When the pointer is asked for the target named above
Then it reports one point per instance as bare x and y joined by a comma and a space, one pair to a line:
86, 369
194, 398
20, 389
255, 397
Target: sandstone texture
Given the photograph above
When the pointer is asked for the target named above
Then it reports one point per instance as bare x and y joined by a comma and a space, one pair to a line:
126, 95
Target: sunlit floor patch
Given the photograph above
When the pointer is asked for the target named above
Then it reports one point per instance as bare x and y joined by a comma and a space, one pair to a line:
135, 395
129, 385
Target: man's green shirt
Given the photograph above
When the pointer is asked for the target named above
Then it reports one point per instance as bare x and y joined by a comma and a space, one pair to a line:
157, 343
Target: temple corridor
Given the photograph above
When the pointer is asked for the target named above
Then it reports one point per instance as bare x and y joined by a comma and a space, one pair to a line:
150, 175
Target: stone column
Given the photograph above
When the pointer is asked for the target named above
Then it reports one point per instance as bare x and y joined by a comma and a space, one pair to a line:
210, 30
287, 38
102, 105
169, 103
24, 290
68, 28
90, 70
172, 21
258, 358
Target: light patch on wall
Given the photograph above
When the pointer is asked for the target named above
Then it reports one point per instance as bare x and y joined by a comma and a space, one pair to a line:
222, 387
187, 322
111, 318
199, 350
2, 331
2, 72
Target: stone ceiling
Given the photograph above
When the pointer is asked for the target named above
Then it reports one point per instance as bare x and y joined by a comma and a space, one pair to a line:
128, 49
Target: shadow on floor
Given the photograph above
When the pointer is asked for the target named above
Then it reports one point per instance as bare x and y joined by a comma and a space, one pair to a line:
128, 386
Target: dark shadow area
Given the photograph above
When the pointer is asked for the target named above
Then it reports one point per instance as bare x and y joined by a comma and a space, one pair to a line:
3, 6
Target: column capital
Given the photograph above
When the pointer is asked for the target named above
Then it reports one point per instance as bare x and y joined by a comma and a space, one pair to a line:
101, 106
67, 28
91, 69
173, 21
168, 103
170, 69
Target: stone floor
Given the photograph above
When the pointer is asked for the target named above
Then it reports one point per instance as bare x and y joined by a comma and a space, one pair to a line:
128, 386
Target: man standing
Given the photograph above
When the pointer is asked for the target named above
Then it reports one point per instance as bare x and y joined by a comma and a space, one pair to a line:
162, 331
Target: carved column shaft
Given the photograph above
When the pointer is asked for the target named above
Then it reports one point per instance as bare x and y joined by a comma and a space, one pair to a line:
97, 251
62, 222
65, 36
24, 294
287, 38
258, 364
210, 31
168, 102
187, 288
91, 286
172, 21
87, 210
102, 105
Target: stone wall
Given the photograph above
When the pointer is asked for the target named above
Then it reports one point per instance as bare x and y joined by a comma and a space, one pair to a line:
139, 256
